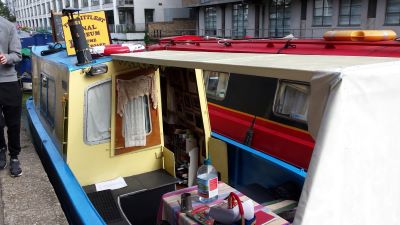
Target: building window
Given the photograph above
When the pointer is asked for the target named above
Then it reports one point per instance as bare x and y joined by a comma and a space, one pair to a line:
210, 20
322, 13
95, 2
240, 13
291, 100
392, 12
279, 18
149, 15
85, 3
122, 17
216, 84
97, 116
350, 13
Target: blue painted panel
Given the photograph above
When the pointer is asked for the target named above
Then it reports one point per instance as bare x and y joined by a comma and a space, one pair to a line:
76, 204
42, 39
247, 166
24, 66
27, 42
68, 61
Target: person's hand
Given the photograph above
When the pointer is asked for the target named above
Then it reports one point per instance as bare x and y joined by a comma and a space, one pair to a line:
3, 59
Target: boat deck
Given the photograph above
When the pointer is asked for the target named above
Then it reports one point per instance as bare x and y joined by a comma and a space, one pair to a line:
29, 199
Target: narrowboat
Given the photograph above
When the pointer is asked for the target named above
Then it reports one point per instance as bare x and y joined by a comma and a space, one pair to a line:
117, 133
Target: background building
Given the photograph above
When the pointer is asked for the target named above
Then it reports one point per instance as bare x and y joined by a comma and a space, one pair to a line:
10, 6
302, 18
124, 16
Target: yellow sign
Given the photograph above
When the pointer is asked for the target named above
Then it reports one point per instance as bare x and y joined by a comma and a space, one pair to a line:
95, 27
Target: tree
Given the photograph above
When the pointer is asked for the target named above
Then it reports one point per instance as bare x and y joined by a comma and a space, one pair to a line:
5, 12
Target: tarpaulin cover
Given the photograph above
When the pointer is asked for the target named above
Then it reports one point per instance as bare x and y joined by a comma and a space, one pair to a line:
354, 175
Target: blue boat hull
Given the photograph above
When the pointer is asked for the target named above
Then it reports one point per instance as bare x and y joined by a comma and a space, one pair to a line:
74, 201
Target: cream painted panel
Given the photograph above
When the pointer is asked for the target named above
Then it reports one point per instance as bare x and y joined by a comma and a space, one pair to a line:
94, 163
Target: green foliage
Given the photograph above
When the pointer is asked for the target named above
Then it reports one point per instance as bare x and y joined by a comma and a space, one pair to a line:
5, 12
146, 38
42, 30
26, 29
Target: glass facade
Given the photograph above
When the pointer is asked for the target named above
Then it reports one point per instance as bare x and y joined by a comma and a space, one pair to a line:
322, 14
210, 21
279, 18
240, 14
350, 13
95, 2
392, 16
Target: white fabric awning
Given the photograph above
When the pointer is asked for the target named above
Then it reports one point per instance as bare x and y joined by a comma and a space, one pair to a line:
320, 71
354, 174
292, 67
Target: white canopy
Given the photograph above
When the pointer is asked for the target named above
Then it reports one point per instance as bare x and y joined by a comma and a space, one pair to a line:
320, 71
354, 174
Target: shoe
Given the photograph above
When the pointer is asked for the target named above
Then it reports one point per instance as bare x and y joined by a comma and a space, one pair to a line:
3, 158
15, 168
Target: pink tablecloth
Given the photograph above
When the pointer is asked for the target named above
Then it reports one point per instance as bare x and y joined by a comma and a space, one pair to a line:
170, 209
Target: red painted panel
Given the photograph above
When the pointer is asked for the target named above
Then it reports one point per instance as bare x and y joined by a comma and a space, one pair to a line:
285, 129
229, 123
288, 144
299, 47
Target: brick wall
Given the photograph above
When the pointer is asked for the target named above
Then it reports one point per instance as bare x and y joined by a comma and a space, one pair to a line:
176, 27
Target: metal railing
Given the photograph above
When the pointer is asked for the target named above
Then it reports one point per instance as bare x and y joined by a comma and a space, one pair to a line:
122, 28
266, 33
125, 2
168, 33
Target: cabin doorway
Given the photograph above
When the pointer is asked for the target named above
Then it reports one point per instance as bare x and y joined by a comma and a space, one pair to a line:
183, 125
170, 106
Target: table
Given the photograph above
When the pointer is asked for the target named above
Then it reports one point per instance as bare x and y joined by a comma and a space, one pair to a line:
170, 209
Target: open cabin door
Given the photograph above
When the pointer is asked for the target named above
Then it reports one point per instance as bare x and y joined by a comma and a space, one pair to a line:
183, 130
136, 111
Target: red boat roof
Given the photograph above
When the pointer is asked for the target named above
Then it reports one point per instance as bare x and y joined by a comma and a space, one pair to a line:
270, 46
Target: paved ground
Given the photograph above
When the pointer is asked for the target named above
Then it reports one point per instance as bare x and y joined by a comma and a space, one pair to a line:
29, 199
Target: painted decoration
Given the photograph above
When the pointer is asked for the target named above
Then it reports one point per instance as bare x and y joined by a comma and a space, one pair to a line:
95, 28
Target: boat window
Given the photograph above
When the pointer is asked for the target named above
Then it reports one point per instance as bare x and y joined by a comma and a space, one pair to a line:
48, 98
291, 100
216, 84
98, 112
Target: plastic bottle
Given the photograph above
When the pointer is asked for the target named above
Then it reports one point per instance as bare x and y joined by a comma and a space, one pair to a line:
207, 182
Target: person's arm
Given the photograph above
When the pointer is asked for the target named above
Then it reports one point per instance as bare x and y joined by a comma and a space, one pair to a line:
14, 48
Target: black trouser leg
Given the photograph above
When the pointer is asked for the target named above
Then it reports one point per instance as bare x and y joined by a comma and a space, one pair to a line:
12, 117
10, 103
2, 124
2, 139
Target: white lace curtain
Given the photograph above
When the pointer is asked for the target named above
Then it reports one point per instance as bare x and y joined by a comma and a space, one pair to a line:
295, 101
134, 123
132, 109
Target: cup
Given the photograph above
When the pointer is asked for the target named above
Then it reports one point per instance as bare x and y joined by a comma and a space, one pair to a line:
186, 202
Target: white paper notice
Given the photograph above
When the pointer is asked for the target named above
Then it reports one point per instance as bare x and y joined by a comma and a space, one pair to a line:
111, 184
